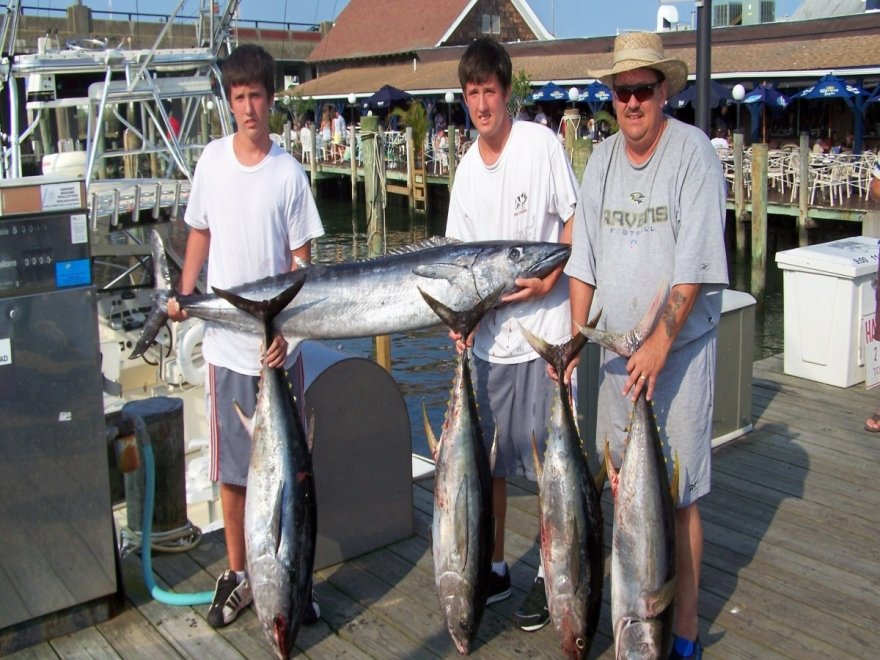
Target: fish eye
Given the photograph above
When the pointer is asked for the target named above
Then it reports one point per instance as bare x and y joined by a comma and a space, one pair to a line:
515, 254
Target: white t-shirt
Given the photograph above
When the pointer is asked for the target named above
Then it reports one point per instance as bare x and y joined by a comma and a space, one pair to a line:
527, 194
256, 216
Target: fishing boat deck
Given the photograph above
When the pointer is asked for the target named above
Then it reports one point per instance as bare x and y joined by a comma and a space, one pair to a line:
791, 566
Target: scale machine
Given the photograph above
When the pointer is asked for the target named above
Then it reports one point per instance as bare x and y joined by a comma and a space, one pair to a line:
58, 566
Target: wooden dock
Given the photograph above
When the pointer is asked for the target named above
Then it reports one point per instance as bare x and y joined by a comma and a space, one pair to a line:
791, 566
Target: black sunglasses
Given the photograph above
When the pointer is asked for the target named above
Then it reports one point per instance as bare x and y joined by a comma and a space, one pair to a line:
642, 92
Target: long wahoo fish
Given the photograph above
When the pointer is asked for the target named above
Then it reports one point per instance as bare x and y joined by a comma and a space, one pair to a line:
643, 544
570, 515
368, 297
462, 531
280, 516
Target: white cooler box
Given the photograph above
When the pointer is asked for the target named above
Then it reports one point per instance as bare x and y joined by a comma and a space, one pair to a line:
828, 288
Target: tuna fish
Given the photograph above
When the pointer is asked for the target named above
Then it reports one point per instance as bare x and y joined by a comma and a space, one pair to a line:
570, 514
280, 517
643, 543
368, 297
462, 529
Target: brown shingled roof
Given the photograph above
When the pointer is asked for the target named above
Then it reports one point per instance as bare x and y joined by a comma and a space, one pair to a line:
783, 49
366, 28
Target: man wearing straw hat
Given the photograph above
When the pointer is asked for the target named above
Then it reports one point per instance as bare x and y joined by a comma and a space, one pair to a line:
652, 208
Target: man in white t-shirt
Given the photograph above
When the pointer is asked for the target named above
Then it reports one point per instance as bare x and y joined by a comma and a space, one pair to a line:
515, 182
251, 215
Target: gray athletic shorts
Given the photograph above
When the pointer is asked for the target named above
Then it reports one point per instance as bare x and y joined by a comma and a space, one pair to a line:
230, 442
683, 404
516, 399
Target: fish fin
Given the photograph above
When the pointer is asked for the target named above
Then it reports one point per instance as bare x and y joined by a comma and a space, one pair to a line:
673, 484
493, 453
158, 315
460, 533
275, 520
613, 475
433, 445
539, 466
310, 432
657, 601
599, 479
247, 422
439, 271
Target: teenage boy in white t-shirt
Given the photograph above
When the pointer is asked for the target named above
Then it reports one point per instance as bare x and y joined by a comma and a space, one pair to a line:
515, 182
251, 214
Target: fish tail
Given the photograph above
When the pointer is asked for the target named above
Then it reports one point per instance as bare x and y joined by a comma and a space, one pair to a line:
263, 310
465, 321
158, 315
627, 343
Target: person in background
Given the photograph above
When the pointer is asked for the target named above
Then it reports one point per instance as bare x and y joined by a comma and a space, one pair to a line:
338, 136
515, 182
540, 117
872, 424
251, 214
821, 146
326, 141
720, 140
652, 208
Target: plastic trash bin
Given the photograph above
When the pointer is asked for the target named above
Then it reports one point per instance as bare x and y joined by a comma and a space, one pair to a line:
827, 288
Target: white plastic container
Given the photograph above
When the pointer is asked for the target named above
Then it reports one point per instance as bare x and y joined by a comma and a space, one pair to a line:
827, 289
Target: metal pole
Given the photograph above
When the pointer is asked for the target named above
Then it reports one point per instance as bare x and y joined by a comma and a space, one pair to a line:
704, 62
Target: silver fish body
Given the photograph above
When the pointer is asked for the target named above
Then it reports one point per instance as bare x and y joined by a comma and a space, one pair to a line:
570, 516
643, 536
643, 544
462, 528
280, 517
369, 297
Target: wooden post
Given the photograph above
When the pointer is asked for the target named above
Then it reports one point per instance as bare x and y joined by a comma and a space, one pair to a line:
739, 197
804, 188
410, 167
375, 212
572, 120
352, 140
154, 158
452, 152
759, 220
313, 164
580, 155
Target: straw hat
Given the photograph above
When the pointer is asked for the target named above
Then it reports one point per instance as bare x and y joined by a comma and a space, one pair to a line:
637, 50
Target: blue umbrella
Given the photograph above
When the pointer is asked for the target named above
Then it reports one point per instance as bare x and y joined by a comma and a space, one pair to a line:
387, 97
832, 87
549, 92
717, 94
759, 99
594, 95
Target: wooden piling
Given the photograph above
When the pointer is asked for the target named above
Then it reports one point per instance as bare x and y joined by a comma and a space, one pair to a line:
804, 188
352, 140
739, 197
373, 161
313, 165
452, 152
410, 168
759, 220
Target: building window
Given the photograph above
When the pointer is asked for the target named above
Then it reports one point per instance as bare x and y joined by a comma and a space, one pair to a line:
727, 14
491, 24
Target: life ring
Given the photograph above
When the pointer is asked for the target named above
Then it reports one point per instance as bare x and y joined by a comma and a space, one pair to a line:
192, 365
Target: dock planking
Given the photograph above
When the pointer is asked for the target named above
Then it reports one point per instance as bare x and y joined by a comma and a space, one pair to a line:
791, 567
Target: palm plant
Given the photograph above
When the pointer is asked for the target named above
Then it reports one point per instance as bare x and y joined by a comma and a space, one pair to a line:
416, 118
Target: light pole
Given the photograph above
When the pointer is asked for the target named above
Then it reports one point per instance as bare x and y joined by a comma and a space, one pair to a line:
449, 97
739, 93
573, 95
351, 100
